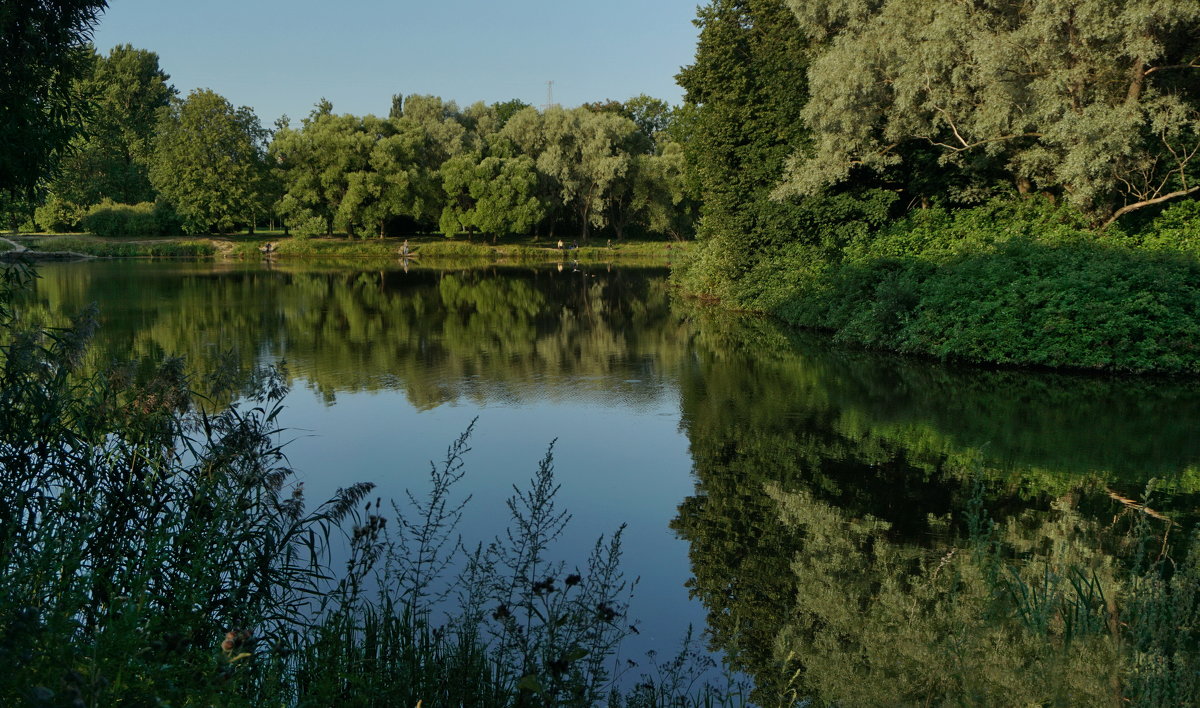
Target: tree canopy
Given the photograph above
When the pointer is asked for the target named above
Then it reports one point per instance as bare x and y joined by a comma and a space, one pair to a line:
43, 49
209, 162
1097, 100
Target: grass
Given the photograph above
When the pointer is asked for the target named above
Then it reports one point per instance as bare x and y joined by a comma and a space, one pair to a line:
433, 250
160, 551
113, 248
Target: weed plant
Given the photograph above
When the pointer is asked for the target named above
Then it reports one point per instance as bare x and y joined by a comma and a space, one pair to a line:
159, 552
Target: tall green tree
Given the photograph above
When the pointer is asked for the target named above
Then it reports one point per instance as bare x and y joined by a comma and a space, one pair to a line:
209, 162
111, 159
1098, 100
588, 154
745, 91
493, 195
43, 50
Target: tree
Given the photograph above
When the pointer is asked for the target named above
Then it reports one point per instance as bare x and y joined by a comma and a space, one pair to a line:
110, 160
744, 93
494, 195
587, 154
1098, 100
209, 162
43, 50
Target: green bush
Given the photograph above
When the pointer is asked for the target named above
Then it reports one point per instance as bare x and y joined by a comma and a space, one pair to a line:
1020, 282
109, 219
1077, 304
59, 215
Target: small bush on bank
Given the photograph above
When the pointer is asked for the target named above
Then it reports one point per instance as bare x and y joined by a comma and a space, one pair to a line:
59, 215
109, 219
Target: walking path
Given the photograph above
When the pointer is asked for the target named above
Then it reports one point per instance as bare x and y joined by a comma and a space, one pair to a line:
18, 249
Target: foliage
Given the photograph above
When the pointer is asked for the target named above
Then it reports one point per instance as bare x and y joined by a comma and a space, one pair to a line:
745, 91
110, 160
107, 220
495, 195
1096, 100
1024, 289
209, 163
43, 50
59, 215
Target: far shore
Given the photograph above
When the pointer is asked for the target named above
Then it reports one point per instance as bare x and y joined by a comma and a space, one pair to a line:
426, 249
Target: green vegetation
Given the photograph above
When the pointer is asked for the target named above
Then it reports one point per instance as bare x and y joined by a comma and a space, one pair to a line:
988, 197
106, 248
209, 163
434, 251
110, 220
42, 50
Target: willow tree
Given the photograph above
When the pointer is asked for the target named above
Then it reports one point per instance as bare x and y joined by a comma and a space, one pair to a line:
1097, 100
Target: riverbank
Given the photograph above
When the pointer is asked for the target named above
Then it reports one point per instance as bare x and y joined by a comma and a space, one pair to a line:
431, 249
1010, 284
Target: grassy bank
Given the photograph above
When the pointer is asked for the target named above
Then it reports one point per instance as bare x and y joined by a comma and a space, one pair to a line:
434, 250
1010, 283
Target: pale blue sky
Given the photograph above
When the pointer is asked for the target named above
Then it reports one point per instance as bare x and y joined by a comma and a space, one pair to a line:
281, 57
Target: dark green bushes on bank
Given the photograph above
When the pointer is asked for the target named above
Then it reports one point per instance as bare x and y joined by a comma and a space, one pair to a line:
1009, 282
143, 220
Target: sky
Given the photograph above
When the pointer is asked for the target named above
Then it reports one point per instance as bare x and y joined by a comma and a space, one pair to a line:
282, 57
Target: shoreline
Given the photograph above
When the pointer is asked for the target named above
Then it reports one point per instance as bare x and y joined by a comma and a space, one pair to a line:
249, 248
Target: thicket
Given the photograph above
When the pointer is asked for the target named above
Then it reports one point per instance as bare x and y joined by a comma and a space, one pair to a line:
160, 552
108, 219
976, 216
1023, 283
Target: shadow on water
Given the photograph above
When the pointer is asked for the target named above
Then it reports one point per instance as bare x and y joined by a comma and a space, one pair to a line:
871, 530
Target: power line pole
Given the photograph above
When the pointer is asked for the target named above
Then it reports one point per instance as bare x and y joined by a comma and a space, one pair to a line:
549, 95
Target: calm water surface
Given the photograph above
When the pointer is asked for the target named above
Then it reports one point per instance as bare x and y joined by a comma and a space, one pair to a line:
846, 526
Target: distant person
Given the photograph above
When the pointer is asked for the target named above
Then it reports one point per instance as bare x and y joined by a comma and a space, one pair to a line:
560, 244
404, 248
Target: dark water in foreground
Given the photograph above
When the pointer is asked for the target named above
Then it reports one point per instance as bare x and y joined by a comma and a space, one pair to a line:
858, 528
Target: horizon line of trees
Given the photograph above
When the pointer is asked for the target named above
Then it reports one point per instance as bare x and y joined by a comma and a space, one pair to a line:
149, 161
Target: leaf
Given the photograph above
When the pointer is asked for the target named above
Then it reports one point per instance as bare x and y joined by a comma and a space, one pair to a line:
530, 682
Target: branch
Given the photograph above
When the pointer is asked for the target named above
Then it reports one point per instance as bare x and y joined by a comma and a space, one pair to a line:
1148, 202
1193, 64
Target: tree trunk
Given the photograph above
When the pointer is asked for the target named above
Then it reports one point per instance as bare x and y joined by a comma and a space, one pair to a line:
1137, 81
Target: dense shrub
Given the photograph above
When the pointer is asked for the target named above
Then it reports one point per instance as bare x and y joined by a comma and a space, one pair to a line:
1077, 304
108, 219
1024, 282
59, 215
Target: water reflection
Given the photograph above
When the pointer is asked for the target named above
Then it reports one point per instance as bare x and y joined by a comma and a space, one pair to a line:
863, 530
875, 531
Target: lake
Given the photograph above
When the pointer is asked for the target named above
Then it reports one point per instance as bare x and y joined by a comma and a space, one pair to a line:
852, 527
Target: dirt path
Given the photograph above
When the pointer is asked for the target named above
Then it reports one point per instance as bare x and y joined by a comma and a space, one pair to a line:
38, 255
